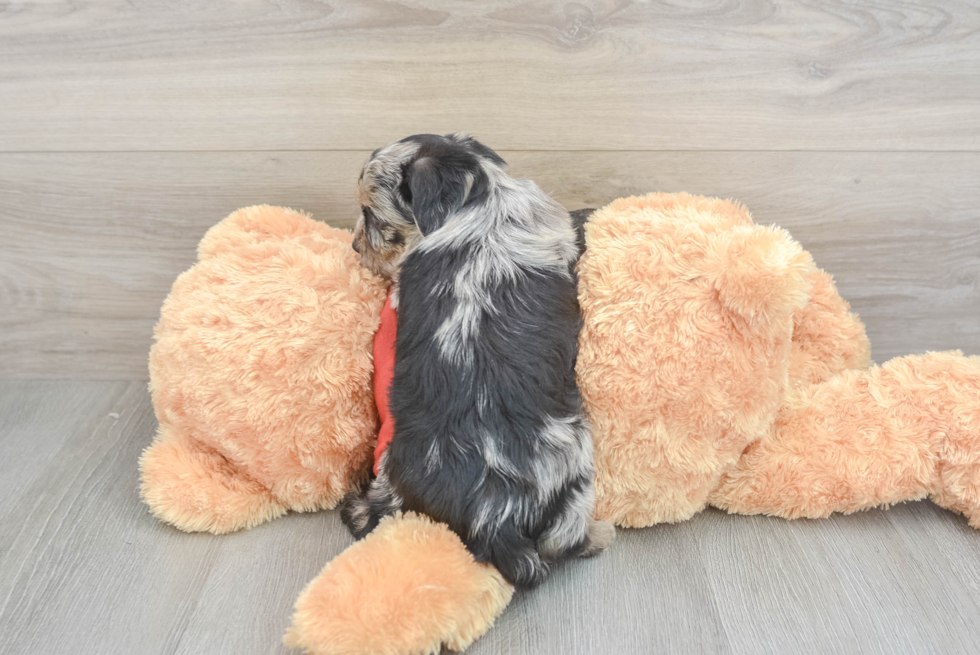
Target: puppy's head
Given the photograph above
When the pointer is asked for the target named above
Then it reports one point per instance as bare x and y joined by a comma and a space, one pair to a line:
409, 189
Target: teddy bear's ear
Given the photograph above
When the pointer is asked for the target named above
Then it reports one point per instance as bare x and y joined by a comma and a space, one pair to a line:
760, 273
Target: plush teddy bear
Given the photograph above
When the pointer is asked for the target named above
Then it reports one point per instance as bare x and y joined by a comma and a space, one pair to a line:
261, 375
717, 364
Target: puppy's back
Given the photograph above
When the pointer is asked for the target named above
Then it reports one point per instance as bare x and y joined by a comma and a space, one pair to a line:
489, 436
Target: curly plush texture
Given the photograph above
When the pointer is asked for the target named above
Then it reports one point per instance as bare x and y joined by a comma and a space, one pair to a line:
903, 431
719, 366
684, 356
408, 588
261, 375
827, 338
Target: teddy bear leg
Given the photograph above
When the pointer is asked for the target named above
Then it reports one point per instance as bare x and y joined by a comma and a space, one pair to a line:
958, 381
861, 440
899, 432
196, 489
408, 588
960, 491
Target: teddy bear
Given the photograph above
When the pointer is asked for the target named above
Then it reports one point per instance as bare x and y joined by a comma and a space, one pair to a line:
718, 367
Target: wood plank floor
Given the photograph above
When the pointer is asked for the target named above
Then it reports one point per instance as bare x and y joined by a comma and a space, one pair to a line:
85, 569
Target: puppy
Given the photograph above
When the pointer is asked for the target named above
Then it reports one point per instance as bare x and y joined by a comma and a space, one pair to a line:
489, 435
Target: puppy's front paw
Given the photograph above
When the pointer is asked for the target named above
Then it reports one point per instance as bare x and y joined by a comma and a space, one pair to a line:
601, 536
355, 512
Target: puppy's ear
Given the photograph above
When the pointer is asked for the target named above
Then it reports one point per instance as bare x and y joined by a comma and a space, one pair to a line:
436, 192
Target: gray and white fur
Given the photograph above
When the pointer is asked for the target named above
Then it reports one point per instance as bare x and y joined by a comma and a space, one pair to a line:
489, 433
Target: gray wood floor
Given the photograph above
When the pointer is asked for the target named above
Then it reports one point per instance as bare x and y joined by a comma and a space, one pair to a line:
85, 569
128, 128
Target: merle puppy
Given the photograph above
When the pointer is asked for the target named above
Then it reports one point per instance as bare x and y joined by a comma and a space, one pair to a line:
489, 434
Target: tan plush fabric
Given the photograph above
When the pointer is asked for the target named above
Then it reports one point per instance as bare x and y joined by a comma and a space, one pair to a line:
903, 431
261, 375
719, 366
406, 589
685, 350
827, 337
717, 363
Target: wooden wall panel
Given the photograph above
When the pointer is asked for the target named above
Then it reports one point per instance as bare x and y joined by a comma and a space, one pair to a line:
92, 242
596, 75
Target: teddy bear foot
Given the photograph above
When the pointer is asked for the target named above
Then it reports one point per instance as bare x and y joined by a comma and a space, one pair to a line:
197, 490
408, 588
